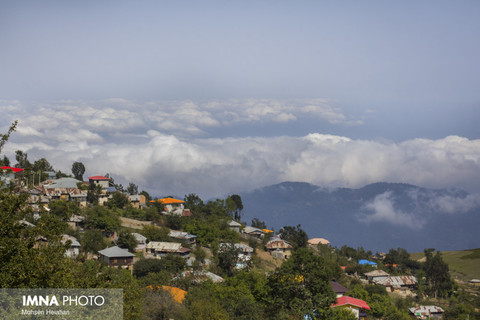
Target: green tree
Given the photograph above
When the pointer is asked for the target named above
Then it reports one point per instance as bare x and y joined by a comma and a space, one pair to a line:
237, 200
297, 236
194, 203
439, 282
258, 224
301, 285
154, 233
126, 240
228, 258
21, 262
78, 169
4, 137
118, 200
132, 188
171, 263
99, 217
93, 241
63, 209
22, 160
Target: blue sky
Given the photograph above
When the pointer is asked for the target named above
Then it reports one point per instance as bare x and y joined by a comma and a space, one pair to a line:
215, 97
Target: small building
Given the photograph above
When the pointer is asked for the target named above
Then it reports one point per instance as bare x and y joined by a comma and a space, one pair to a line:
141, 241
234, 225
355, 305
254, 232
244, 253
338, 289
74, 249
186, 237
427, 312
279, 248
172, 206
8, 175
100, 181
398, 283
317, 241
376, 275
76, 222
117, 257
157, 249
137, 200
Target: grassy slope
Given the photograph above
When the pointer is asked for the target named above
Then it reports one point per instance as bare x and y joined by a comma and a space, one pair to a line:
461, 269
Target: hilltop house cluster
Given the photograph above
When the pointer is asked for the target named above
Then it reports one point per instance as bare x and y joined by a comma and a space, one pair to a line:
70, 189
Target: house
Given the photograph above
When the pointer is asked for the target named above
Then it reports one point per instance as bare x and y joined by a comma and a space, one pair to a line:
172, 206
376, 275
427, 312
8, 174
279, 248
137, 200
355, 305
117, 257
317, 241
40, 242
183, 236
254, 232
74, 249
244, 253
65, 189
141, 241
234, 225
76, 222
338, 289
37, 199
101, 181
157, 249
398, 283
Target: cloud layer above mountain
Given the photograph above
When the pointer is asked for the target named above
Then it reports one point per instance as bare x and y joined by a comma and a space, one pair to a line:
181, 147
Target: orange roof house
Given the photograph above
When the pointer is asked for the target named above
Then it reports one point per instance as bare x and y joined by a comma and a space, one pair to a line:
172, 206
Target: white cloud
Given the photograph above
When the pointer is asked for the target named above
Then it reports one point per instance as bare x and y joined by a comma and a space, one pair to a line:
166, 147
454, 205
383, 210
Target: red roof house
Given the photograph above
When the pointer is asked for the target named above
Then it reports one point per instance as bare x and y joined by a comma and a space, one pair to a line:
355, 305
11, 168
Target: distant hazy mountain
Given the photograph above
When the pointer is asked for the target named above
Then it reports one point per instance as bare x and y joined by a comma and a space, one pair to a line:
378, 216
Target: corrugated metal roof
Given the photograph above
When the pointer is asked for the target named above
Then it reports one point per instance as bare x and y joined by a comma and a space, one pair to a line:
346, 300
278, 243
114, 252
376, 273
181, 235
397, 281
164, 246
426, 311
249, 229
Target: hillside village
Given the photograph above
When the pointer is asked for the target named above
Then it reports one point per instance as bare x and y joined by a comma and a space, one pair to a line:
187, 259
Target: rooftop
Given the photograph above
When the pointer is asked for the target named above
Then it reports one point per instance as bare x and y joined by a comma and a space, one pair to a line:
115, 252
346, 300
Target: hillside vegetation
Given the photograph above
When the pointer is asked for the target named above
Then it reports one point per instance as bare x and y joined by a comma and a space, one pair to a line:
464, 264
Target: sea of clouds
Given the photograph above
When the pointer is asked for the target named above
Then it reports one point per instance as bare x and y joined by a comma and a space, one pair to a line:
174, 147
